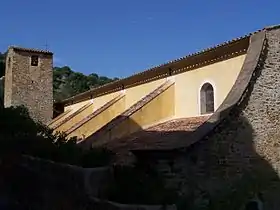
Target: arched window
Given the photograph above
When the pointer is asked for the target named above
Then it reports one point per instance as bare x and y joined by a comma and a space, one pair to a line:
206, 99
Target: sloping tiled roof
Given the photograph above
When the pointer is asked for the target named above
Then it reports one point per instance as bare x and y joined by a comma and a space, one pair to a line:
158, 137
30, 50
207, 56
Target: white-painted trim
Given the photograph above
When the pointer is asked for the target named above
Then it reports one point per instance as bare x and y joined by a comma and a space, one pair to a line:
211, 82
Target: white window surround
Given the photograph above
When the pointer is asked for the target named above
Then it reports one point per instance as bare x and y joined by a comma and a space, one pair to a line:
211, 82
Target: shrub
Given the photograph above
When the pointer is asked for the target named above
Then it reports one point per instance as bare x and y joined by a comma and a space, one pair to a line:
19, 134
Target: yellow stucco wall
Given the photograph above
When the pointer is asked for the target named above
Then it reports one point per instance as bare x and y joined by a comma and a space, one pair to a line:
58, 117
134, 94
76, 118
103, 118
185, 98
55, 123
73, 108
98, 102
221, 75
160, 108
76, 106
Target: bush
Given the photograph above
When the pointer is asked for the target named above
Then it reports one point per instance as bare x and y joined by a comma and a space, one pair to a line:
19, 134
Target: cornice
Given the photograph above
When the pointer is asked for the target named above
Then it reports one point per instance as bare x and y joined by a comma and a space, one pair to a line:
226, 50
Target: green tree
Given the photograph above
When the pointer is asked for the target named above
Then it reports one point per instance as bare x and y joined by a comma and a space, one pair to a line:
68, 83
19, 134
2, 64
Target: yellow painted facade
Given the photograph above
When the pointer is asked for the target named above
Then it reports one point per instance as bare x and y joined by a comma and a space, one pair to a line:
221, 75
180, 100
101, 119
134, 94
76, 106
70, 112
58, 117
97, 102
80, 115
55, 123
160, 108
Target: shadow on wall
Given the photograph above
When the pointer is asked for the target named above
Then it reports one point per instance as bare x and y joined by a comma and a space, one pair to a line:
58, 109
236, 166
25, 189
224, 171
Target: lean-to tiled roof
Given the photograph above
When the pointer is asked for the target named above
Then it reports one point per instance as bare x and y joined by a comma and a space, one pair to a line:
158, 137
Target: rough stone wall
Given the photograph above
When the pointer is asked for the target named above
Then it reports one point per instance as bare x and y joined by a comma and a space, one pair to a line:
28, 85
52, 185
240, 160
8, 79
60, 186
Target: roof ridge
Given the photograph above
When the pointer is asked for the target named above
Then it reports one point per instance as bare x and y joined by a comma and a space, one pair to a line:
272, 27
30, 49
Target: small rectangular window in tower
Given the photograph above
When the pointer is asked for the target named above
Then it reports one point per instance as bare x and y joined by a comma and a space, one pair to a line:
34, 60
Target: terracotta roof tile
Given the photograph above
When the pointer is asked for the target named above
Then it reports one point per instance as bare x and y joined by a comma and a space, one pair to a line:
158, 137
31, 50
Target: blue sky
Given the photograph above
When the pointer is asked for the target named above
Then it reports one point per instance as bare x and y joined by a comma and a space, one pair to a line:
119, 38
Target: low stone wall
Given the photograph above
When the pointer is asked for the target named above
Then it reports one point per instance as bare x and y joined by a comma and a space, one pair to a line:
89, 180
72, 187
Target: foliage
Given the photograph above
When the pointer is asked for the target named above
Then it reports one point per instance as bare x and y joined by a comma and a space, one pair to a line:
67, 83
2, 64
19, 134
138, 185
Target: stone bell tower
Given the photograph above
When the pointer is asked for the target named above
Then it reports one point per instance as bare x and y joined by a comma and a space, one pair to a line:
29, 82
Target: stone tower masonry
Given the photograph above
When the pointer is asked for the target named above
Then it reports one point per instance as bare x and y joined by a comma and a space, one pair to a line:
29, 82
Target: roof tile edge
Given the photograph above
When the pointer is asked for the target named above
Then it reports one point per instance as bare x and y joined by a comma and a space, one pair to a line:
73, 99
32, 50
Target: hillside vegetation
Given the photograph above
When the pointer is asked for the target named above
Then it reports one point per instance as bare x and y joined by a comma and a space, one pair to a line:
2, 64
67, 82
